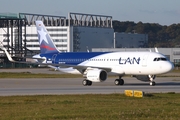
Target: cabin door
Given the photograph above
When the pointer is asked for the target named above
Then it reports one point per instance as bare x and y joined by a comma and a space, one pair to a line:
54, 59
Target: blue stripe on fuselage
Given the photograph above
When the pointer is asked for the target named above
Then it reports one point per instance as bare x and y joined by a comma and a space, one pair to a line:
72, 58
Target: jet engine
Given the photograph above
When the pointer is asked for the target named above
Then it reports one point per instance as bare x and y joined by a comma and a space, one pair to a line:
96, 75
144, 78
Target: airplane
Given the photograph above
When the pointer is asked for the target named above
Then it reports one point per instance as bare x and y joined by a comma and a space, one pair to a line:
97, 66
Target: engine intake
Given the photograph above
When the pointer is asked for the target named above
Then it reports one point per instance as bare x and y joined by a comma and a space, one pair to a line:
96, 75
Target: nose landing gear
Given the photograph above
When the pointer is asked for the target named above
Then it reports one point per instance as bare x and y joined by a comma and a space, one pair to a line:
151, 78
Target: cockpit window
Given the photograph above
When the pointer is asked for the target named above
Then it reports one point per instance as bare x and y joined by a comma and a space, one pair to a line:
160, 59
155, 59
163, 59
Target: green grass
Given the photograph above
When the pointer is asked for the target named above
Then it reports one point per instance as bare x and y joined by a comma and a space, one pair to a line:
90, 107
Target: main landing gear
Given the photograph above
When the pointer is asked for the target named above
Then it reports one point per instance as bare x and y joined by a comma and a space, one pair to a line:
86, 82
119, 81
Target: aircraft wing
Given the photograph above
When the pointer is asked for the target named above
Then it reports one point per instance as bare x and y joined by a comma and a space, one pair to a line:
79, 67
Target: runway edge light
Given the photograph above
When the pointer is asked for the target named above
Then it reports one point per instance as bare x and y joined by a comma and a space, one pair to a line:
129, 93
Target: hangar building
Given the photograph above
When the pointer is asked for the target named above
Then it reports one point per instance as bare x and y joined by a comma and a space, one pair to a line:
75, 33
130, 40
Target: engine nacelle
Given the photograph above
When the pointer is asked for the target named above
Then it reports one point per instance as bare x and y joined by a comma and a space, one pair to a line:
144, 78
96, 75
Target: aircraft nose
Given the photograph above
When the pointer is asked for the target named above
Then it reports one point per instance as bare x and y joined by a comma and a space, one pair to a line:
169, 66
172, 66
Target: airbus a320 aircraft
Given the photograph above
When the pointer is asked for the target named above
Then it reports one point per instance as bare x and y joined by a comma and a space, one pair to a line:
96, 66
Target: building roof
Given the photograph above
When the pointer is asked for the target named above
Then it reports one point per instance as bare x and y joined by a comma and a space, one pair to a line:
9, 15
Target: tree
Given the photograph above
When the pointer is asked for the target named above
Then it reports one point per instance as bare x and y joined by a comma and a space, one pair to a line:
158, 35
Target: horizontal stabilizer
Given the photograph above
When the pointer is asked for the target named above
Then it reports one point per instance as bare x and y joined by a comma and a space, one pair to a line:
7, 54
10, 58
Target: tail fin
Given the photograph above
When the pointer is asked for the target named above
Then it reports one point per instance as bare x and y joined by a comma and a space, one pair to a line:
45, 41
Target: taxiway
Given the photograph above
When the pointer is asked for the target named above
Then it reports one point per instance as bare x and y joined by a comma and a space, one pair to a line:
59, 86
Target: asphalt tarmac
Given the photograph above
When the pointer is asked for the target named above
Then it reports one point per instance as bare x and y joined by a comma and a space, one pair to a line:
59, 86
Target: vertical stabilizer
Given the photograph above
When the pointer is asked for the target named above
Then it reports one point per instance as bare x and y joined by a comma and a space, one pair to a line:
45, 41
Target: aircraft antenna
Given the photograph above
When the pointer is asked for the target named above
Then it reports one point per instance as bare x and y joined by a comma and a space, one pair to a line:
156, 50
87, 48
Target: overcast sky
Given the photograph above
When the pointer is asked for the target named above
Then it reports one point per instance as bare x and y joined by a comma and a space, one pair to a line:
164, 12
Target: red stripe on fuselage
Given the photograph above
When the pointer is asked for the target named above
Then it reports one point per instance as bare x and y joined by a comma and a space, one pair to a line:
47, 47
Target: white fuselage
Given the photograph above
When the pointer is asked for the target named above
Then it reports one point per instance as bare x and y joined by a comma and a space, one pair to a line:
133, 63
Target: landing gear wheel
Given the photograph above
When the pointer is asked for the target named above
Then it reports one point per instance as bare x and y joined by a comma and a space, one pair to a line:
152, 83
151, 78
116, 82
119, 82
87, 83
